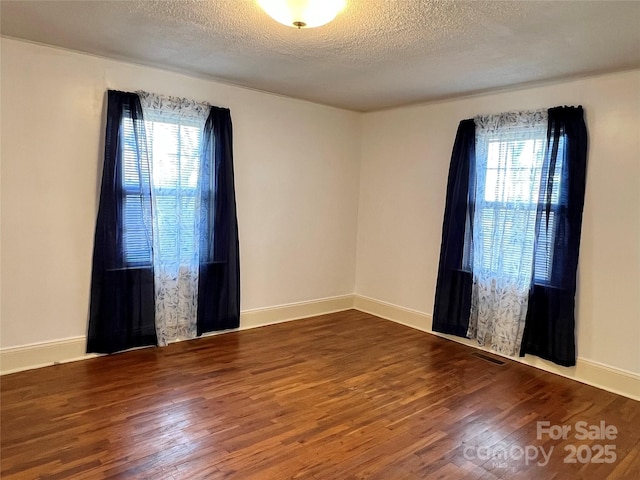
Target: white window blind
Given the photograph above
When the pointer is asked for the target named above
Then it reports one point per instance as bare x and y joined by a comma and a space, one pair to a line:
173, 144
507, 197
136, 203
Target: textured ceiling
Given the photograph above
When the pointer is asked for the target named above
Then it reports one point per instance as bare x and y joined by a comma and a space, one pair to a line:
376, 54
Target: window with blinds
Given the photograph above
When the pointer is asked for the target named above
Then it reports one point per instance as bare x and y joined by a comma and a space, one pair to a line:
508, 198
137, 222
173, 146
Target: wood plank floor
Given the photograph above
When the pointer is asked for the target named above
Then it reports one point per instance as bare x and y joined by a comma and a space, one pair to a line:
339, 396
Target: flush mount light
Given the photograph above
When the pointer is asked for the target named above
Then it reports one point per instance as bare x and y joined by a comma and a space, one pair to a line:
302, 13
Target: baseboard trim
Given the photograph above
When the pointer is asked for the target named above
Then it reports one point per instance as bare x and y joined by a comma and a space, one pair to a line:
388, 311
36, 355
593, 373
261, 317
27, 357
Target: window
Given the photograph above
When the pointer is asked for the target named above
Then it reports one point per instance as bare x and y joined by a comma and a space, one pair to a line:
166, 263
509, 171
173, 146
511, 232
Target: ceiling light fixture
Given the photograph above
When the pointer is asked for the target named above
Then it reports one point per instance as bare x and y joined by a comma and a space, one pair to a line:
302, 13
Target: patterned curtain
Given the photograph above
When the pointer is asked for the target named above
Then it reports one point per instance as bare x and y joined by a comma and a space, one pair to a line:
174, 131
509, 157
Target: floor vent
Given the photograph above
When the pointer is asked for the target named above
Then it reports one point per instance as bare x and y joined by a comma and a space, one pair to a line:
488, 358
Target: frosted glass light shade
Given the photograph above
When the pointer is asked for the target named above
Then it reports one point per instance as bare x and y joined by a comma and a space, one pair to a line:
302, 13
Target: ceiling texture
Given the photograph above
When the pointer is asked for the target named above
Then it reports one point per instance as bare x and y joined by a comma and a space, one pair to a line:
376, 54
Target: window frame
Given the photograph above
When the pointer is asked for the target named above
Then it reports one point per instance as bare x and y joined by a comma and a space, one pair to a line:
129, 190
556, 205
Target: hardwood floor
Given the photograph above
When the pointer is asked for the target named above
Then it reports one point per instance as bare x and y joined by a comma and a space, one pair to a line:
339, 396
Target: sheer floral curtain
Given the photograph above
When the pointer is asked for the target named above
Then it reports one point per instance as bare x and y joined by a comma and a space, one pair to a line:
174, 130
509, 153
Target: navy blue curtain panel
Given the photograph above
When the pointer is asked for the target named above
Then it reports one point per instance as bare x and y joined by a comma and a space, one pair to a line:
122, 312
550, 325
453, 288
219, 271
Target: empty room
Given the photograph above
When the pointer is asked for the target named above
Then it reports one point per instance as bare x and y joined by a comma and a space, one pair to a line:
319, 239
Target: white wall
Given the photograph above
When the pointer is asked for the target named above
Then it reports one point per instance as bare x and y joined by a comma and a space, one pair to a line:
296, 165
404, 167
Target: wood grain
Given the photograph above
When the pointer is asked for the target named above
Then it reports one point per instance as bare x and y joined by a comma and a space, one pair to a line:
340, 396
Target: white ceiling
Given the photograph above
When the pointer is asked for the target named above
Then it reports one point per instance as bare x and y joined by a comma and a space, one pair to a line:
376, 54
